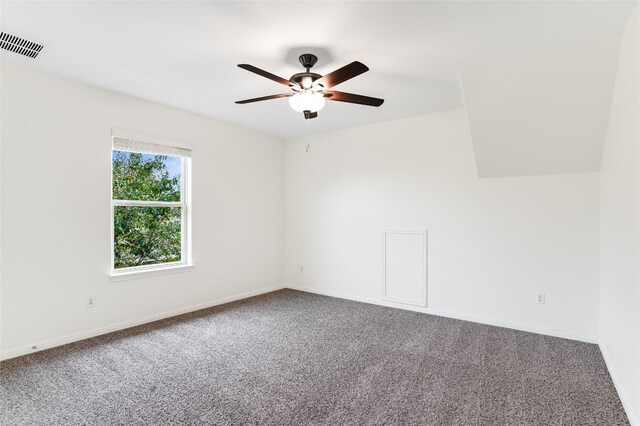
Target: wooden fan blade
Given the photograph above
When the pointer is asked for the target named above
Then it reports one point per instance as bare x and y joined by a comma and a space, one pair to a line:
342, 74
265, 98
333, 95
266, 74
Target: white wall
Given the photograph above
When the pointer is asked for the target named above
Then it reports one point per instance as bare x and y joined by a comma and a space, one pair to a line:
620, 228
56, 211
493, 243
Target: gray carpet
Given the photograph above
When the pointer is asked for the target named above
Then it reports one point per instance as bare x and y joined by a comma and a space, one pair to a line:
292, 358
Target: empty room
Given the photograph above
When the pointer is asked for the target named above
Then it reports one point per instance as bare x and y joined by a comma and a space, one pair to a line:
320, 213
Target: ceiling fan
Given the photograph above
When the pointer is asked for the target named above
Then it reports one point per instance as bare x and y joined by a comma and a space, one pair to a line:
309, 90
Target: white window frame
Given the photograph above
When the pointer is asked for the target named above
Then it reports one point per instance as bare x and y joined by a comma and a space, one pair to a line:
184, 204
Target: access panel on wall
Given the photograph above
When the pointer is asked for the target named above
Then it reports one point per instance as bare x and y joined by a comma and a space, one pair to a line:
404, 275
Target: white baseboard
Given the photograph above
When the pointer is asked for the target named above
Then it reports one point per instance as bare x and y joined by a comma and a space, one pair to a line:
626, 402
59, 341
455, 315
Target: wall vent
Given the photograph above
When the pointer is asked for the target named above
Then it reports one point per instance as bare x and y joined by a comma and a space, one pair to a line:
19, 45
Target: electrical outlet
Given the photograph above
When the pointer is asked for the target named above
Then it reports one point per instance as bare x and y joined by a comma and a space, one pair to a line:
302, 269
91, 301
540, 299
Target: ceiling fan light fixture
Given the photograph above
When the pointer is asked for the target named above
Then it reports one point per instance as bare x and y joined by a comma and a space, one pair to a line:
307, 100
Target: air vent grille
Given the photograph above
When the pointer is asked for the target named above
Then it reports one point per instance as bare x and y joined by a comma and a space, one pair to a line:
19, 45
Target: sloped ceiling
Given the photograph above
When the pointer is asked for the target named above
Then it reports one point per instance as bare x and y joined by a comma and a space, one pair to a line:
543, 113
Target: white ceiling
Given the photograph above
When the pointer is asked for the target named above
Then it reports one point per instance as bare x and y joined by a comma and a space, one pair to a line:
184, 54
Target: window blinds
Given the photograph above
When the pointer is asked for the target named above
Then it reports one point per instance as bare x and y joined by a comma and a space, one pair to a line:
131, 145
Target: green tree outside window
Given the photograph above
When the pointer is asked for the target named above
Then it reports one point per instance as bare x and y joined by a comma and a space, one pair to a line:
146, 235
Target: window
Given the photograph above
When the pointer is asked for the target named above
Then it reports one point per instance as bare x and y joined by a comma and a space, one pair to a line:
149, 206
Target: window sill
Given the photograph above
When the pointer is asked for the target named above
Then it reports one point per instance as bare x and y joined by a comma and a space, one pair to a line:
131, 275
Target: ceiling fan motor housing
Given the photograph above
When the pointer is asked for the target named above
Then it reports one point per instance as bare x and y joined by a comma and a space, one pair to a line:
302, 78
